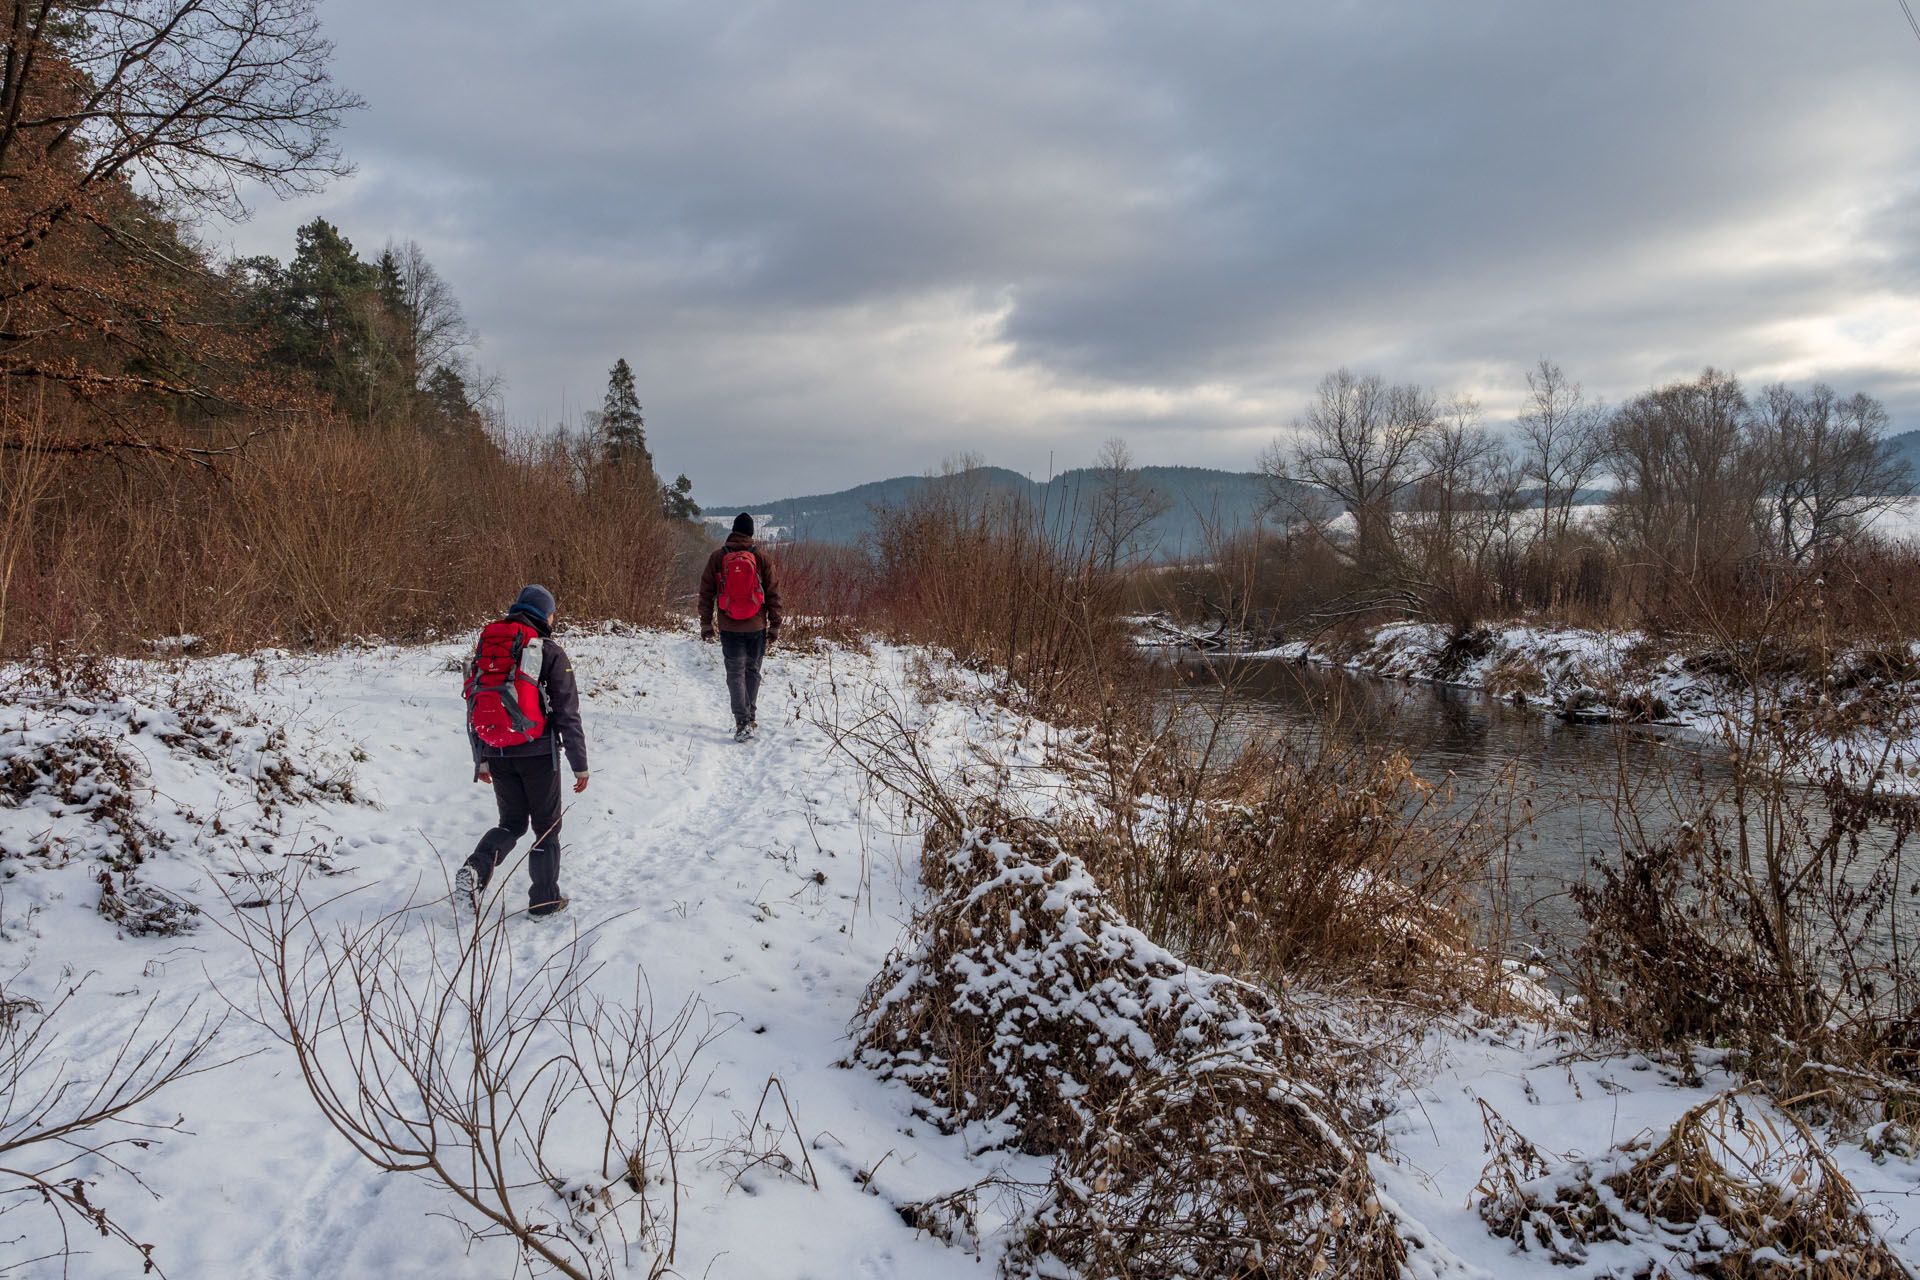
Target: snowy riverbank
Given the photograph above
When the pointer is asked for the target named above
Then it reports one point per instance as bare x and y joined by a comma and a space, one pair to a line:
760, 880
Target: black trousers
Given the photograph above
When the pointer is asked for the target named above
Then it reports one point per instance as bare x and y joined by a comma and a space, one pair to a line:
743, 651
528, 790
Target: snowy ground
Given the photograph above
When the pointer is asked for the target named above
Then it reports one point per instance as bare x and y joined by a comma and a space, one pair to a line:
761, 879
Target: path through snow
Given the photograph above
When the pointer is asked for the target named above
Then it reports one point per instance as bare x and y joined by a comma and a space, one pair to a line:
752, 876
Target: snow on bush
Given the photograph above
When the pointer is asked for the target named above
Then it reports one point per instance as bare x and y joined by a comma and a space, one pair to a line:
1031, 1014
1023, 1003
111, 764
1221, 1166
1737, 1189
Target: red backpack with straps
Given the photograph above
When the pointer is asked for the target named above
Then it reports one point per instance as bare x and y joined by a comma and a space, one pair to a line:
740, 593
505, 705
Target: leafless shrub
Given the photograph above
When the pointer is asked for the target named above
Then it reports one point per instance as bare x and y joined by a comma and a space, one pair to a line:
1762, 905
987, 576
1267, 858
1029, 1012
1220, 1167
553, 1118
333, 534
826, 591
764, 1141
61, 1121
1019, 947
1738, 1188
144, 910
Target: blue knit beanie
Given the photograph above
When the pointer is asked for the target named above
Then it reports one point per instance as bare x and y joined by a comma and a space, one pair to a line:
534, 599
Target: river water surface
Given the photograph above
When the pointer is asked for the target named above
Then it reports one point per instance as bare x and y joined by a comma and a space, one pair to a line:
1564, 778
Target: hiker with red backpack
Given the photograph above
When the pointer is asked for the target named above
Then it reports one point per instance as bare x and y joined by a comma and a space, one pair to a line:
523, 710
738, 589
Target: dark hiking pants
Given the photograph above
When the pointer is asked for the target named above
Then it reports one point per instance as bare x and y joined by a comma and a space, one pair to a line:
743, 651
528, 789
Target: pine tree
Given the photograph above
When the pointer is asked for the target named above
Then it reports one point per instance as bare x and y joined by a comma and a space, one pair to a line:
622, 430
676, 500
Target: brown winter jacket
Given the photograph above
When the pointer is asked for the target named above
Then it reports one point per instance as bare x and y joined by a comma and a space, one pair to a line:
767, 619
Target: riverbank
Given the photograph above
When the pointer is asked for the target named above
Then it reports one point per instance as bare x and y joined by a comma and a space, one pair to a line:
758, 885
1591, 676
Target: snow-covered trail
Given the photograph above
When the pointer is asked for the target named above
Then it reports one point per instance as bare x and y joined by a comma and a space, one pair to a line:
757, 879
749, 876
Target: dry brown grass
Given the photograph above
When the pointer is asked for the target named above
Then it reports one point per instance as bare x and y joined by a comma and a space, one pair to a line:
989, 579
1302, 855
1217, 1168
314, 537
1193, 1116
1737, 1189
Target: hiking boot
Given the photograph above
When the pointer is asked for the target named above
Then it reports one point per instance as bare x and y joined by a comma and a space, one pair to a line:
467, 888
548, 908
742, 732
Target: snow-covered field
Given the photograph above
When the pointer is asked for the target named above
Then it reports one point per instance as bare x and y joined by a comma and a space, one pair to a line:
761, 880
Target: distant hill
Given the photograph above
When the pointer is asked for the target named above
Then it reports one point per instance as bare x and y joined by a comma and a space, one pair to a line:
1199, 499
1906, 447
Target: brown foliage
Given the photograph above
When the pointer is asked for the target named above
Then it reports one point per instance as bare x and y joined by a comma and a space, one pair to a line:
987, 578
330, 534
1737, 1189
1221, 1168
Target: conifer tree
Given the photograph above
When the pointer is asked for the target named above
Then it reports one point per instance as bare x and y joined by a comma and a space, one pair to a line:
676, 500
622, 430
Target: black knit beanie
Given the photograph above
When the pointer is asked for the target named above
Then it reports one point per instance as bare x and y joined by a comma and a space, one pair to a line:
743, 523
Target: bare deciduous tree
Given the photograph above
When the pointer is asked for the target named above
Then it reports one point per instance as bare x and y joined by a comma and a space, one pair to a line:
198, 97
435, 332
1563, 436
1362, 441
1121, 508
1827, 469
116, 116
1688, 478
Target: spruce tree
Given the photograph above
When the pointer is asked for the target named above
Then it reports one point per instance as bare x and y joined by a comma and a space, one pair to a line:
622, 431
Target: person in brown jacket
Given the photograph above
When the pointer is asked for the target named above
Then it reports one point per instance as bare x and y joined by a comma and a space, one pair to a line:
738, 589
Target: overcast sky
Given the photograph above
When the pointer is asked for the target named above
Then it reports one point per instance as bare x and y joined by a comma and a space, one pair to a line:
844, 239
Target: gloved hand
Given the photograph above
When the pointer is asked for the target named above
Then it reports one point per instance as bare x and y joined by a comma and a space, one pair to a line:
772, 635
707, 634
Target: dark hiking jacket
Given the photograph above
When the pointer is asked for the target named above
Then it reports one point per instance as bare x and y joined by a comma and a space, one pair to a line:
768, 618
563, 731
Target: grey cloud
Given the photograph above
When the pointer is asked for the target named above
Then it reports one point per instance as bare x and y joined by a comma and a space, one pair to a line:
1164, 197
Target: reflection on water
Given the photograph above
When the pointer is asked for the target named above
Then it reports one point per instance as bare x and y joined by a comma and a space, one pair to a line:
1565, 777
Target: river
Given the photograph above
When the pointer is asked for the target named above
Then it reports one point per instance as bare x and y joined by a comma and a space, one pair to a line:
1563, 777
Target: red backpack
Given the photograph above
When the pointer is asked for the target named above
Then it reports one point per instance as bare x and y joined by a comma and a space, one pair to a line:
505, 705
740, 593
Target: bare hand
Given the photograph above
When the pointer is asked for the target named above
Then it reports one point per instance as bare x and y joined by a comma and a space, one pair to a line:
579, 783
485, 775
